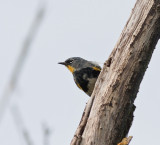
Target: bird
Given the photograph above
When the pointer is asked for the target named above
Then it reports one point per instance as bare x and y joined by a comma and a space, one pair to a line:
85, 73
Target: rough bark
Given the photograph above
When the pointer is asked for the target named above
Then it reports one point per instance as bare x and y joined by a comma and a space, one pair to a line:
110, 113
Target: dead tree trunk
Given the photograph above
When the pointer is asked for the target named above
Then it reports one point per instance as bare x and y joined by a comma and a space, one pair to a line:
108, 115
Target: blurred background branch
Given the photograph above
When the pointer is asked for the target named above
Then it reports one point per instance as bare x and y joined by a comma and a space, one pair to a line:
22, 130
21, 59
24, 134
46, 133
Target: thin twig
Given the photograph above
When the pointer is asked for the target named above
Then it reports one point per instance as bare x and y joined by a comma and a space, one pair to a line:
20, 125
20, 61
46, 134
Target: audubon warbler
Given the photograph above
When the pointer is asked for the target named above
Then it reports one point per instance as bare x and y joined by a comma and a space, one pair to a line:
85, 73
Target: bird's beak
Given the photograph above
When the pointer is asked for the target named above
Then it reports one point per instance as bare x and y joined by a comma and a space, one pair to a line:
63, 63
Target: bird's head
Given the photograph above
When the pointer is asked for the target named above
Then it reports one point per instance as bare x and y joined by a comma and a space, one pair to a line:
74, 63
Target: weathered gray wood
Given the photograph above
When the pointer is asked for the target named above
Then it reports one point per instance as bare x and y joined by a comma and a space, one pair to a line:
111, 113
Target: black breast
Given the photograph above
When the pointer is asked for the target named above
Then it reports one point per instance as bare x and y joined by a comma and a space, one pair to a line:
81, 77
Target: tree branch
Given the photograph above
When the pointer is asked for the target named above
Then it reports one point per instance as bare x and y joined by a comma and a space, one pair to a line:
111, 114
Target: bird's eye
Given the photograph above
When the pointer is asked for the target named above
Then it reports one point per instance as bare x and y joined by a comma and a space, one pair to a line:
69, 61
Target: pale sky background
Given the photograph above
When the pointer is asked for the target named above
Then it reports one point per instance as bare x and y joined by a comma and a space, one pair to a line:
46, 92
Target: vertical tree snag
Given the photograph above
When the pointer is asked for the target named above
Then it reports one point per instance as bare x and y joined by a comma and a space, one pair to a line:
109, 118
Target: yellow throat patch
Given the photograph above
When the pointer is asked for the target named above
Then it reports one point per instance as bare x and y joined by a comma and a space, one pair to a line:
71, 69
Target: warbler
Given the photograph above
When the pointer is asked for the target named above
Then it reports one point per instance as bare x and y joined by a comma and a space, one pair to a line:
85, 73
